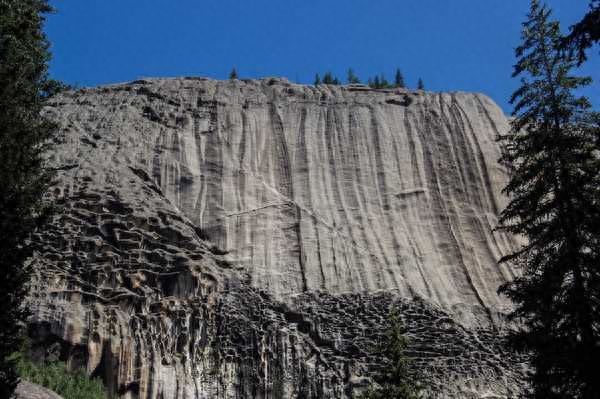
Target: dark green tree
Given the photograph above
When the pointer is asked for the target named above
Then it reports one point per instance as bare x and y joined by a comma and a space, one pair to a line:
399, 379
352, 78
585, 32
233, 74
317, 79
329, 79
399, 78
555, 204
383, 82
376, 82
420, 84
24, 88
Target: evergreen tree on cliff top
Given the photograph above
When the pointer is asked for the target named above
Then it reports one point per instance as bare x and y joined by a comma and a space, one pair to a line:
24, 87
555, 205
399, 79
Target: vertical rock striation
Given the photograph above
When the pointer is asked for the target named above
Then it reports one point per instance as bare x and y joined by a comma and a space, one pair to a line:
246, 239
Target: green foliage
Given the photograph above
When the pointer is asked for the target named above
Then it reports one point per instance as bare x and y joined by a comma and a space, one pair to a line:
317, 79
379, 82
420, 84
56, 376
384, 82
329, 79
399, 79
398, 379
24, 88
552, 152
352, 78
376, 82
585, 33
233, 74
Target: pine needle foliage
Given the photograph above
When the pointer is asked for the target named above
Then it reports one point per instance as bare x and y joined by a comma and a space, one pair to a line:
585, 33
552, 152
399, 379
352, 77
24, 88
399, 79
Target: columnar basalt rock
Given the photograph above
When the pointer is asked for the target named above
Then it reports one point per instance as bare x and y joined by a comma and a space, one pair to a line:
246, 239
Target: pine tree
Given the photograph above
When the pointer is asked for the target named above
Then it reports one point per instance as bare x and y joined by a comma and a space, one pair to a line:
555, 205
376, 82
328, 78
24, 88
399, 79
233, 74
317, 80
585, 33
420, 84
398, 380
352, 78
383, 82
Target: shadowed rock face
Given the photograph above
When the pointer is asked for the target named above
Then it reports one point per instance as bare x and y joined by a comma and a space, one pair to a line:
247, 239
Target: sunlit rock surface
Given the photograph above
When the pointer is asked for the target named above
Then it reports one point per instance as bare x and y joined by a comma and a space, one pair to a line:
246, 239
27, 390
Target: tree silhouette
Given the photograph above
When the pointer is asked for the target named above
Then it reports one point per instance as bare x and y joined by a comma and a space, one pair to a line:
24, 134
399, 79
352, 78
554, 191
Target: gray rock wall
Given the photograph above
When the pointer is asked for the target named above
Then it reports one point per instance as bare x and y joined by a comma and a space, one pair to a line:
27, 390
247, 239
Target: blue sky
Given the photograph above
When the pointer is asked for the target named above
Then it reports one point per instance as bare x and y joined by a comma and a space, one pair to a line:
453, 45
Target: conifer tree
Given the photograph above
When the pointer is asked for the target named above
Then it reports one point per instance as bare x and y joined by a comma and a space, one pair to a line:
586, 32
24, 88
352, 78
376, 82
555, 192
420, 84
399, 79
233, 74
399, 379
383, 82
317, 79
328, 78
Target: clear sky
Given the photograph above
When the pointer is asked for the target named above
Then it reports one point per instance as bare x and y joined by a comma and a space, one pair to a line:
452, 44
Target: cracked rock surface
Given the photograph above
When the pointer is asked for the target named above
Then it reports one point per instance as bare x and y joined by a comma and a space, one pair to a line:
246, 239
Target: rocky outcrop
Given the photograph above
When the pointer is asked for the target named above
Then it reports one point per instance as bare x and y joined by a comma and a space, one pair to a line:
27, 390
246, 239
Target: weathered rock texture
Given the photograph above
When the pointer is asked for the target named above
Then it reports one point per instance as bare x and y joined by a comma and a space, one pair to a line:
27, 390
246, 239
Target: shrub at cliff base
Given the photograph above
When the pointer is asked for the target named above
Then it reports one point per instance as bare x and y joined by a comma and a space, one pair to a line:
56, 376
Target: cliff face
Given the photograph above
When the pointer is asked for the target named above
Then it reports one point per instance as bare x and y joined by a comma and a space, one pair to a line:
247, 239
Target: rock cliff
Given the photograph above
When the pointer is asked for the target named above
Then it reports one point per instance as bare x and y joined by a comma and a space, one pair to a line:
246, 239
